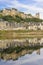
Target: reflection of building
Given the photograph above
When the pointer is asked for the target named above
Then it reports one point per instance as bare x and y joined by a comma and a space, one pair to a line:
21, 42
10, 43
38, 51
14, 55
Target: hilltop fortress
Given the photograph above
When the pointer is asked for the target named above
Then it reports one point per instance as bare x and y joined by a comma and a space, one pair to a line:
14, 12
17, 20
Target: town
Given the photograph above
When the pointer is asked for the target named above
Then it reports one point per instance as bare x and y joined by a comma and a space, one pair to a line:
23, 25
5, 25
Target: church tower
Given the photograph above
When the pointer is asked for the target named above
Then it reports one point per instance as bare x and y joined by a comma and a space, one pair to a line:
37, 15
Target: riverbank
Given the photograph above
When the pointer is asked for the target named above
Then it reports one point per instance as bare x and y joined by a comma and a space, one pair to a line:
14, 34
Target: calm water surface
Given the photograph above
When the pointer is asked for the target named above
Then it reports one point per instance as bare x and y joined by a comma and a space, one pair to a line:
25, 57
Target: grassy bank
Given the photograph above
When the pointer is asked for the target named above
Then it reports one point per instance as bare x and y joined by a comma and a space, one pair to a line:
11, 34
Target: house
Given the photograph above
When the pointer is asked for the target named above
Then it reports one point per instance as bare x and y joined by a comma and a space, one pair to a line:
35, 25
41, 26
3, 24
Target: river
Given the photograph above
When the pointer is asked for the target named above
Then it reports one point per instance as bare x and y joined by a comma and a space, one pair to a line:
28, 51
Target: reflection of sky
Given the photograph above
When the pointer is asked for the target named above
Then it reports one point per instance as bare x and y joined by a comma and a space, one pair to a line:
28, 59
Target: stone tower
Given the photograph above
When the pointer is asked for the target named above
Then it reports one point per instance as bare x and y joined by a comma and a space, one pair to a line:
37, 15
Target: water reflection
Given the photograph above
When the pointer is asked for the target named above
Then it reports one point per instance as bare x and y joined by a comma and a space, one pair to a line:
31, 57
14, 55
21, 42
28, 51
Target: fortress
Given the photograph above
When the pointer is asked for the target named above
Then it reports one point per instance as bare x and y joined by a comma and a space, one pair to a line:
23, 25
14, 12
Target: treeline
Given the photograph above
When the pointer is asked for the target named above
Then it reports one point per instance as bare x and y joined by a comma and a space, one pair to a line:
17, 18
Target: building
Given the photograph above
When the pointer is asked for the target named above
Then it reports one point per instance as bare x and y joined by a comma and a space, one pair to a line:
37, 15
5, 25
13, 12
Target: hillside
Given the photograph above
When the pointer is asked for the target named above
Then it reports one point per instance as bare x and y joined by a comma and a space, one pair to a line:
19, 19
17, 16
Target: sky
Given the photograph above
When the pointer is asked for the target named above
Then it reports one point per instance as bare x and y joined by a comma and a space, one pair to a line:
26, 6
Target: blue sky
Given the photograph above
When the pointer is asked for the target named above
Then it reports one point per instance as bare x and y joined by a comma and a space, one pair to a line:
27, 6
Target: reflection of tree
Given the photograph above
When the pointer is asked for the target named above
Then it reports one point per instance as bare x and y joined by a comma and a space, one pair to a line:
38, 51
15, 55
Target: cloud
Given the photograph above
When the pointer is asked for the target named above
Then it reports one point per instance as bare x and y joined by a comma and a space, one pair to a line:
29, 8
16, 3
38, 0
